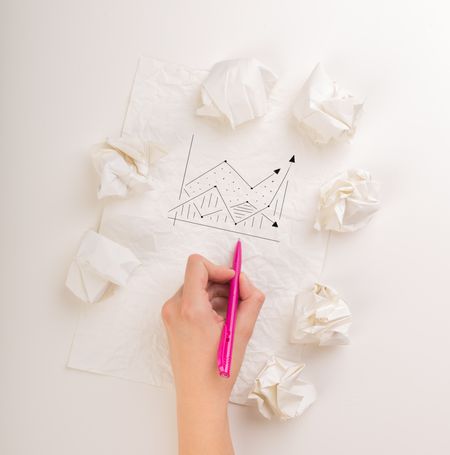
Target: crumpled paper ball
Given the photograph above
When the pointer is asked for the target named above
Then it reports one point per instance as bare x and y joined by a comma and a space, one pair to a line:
347, 202
320, 317
98, 263
123, 165
236, 91
324, 111
280, 392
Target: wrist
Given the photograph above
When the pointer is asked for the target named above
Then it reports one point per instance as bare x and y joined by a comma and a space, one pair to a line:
203, 425
211, 400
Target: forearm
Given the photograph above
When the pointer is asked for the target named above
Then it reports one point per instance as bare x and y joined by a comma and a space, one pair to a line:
203, 426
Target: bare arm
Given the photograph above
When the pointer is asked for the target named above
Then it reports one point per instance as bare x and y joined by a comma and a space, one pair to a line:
194, 319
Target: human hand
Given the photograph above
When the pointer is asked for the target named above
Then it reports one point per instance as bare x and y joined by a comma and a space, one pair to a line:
194, 318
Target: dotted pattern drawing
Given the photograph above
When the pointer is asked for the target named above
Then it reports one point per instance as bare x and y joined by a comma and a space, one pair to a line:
221, 198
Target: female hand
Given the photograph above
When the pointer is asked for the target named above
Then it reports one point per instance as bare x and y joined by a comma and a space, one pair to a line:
194, 318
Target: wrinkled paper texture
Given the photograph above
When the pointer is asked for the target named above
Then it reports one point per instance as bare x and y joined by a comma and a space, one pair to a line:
347, 202
236, 90
324, 111
123, 165
280, 392
123, 335
98, 263
320, 317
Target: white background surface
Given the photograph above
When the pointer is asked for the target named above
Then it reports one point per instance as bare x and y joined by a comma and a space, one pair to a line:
66, 71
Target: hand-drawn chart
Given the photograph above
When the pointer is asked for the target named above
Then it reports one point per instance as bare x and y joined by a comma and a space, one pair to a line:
221, 198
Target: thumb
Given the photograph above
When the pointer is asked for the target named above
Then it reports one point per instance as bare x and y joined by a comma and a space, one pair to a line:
252, 300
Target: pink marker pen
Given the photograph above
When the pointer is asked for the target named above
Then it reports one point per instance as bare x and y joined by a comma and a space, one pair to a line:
225, 351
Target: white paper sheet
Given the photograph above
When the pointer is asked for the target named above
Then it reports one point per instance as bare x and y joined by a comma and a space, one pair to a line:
324, 111
123, 165
320, 317
347, 202
123, 335
98, 263
280, 392
236, 91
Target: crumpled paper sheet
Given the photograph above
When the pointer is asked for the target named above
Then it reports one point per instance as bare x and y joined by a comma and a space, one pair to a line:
347, 202
123, 335
98, 263
280, 392
324, 111
123, 165
320, 317
236, 90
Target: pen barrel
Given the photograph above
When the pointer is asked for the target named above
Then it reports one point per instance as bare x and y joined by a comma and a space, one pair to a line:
225, 351
229, 327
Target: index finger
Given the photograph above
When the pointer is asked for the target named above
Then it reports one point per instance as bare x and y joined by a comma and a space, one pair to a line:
199, 271
252, 300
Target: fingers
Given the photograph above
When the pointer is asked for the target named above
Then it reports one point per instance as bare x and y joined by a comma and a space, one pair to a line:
220, 305
199, 272
218, 290
169, 307
252, 300
247, 289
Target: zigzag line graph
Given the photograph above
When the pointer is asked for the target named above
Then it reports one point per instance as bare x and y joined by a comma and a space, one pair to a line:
221, 198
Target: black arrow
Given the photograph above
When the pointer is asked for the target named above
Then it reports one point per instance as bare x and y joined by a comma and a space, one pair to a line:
282, 181
276, 171
292, 160
275, 224
264, 215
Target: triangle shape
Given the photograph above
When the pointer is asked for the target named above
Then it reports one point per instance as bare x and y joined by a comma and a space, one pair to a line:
292, 160
203, 208
276, 171
275, 224
242, 211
